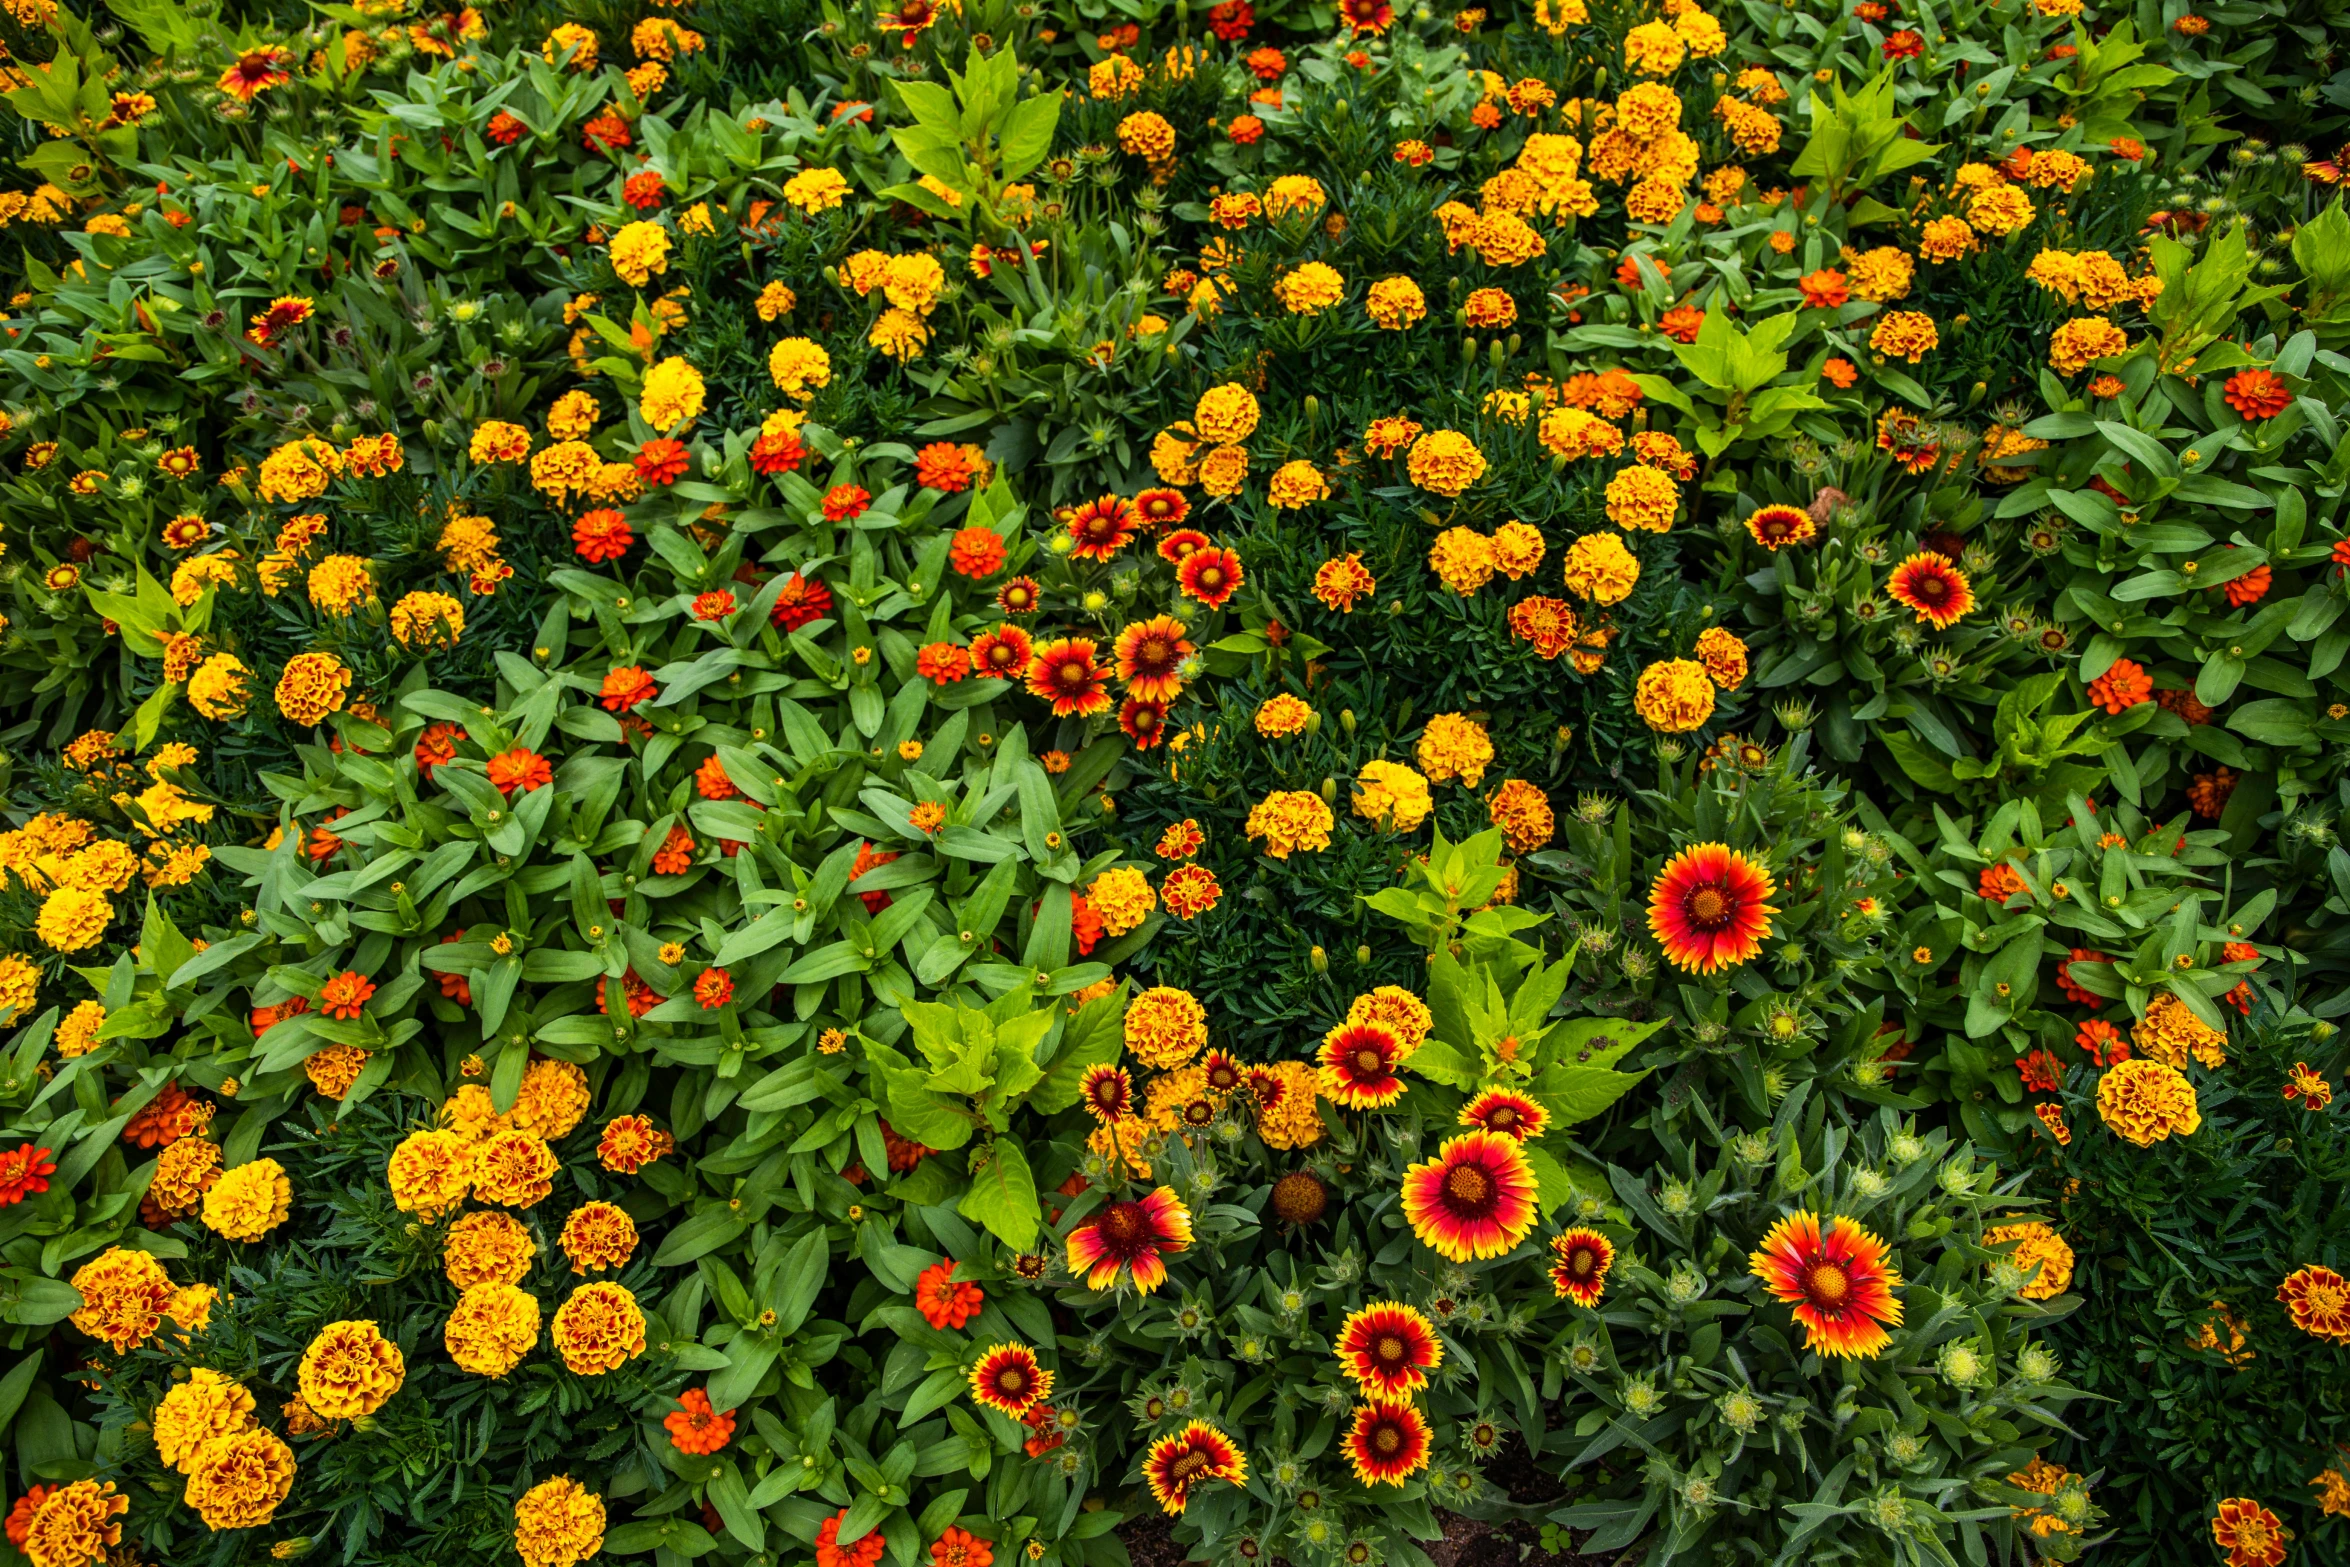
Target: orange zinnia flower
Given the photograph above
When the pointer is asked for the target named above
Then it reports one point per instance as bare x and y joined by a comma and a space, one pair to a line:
697, 1428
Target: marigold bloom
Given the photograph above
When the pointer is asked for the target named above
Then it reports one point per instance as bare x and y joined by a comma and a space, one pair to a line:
124, 1297
1580, 1259
1445, 462
494, 1326
2144, 1101
1290, 821
1674, 696
558, 1523
1182, 1461
249, 1201
350, 1369
599, 1329
2318, 1300
1190, 891
2250, 1534
1341, 583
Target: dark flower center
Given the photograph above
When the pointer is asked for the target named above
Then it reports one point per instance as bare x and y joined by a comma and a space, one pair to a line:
1709, 906
1469, 1185
1124, 1226
1191, 1464
1387, 1441
1827, 1284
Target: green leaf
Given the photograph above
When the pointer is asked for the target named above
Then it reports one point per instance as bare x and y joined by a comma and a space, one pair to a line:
1003, 1195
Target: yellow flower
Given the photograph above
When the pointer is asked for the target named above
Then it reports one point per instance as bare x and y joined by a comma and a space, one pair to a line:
816, 190
1282, 716
2078, 344
1674, 696
1643, 498
1881, 275
1291, 821
640, 252
194, 1412
1310, 289
299, 470
249, 1201
1455, 745
598, 1236
1946, 239
1223, 471
1148, 136
1122, 896
313, 685
1396, 303
672, 394
350, 1370
124, 1297
552, 1100
599, 1329
493, 1327
1225, 415
1999, 211
430, 1172
1165, 1027
1518, 549
192, 576
558, 1523
2171, 1034
184, 1172
899, 334
495, 440
2144, 1101
1905, 334
1393, 795
73, 918
1723, 654
2038, 1245
75, 1525
1654, 49
1445, 462
1295, 193
238, 1481
426, 620
799, 367
514, 1169
1296, 485
77, 1032
487, 1248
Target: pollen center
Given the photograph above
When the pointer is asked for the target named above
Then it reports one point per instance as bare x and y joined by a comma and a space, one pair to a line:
1390, 1349
1012, 1379
1829, 1284
1386, 1441
1709, 906
1189, 1465
1469, 1184
1367, 1060
1122, 1225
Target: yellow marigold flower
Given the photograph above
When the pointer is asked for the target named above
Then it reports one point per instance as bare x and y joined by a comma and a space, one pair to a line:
1946, 239
1503, 239
1294, 1118
514, 1169
1295, 193
1701, 32
124, 1296
217, 688
334, 1069
598, 1236
487, 1248
1393, 795
1395, 303
20, 985
313, 685
1455, 745
1522, 811
1674, 696
1296, 485
299, 470
558, 1523
1517, 549
672, 394
640, 251
799, 367
492, 1328
2144, 1101
430, 1172
1654, 49
1113, 78
1223, 471
1290, 821
599, 1329
77, 1032
1601, 569
1655, 201
194, 1412
1148, 136
192, 576
1165, 1027
572, 38
350, 1370
1881, 275
1643, 498
1572, 433
913, 282
2080, 343
1310, 289
249, 1201
427, 620
2171, 1034
899, 334
1462, 559
1225, 415
1445, 462
494, 440
1999, 211
1340, 582
1282, 716
1648, 111
1723, 654
1122, 896
239, 1480
552, 1100
1905, 334
2037, 1245
2058, 170
816, 190
72, 918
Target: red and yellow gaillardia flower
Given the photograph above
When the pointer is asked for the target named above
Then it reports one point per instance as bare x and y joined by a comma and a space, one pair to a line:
1358, 1066
1009, 1378
1931, 585
1580, 1272
1501, 1110
1107, 1092
1837, 1280
1389, 1349
1063, 673
1474, 1199
1777, 526
1131, 1237
1150, 656
1388, 1443
1710, 908
1189, 1458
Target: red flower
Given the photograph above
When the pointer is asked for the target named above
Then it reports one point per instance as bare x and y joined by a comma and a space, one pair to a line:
1150, 656
1931, 585
1359, 1062
2064, 977
504, 129
455, 987
1211, 576
867, 859
601, 535
607, 132
676, 855
1474, 1200
1578, 1271
436, 745
1063, 672
522, 769
1131, 1238
1020, 596
1388, 1443
1838, 1281
1501, 1110
627, 687
1388, 1350
945, 467
1190, 891
2124, 685
24, 1172
713, 988
780, 452
976, 553
345, 995
830, 1552
254, 72
1907, 44
1009, 1379
1246, 130
644, 191
697, 1428
1710, 908
2258, 394
1003, 652
2249, 588
1144, 723
20, 1517
1184, 1460
943, 1302
1230, 20
943, 663
801, 601
1682, 323
662, 460
1367, 16
846, 502
1163, 509
713, 606
1099, 529
2041, 1071
1266, 65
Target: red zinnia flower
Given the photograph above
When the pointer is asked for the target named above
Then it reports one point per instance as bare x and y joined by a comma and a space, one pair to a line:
1144, 723
713, 988
1358, 1065
1931, 585
1475, 1199
1230, 20
1177, 546
846, 502
1907, 44
831, 1553
1003, 652
2064, 977
504, 129
1131, 1237
1150, 657
780, 452
1579, 1271
606, 132
1210, 576
714, 606
24, 1172
943, 466
662, 460
1162, 508
1839, 1283
1500, 1110
960, 1548
976, 553
697, 1428
1009, 1378
1191, 1457
676, 855
626, 687
1682, 323
1020, 596
2103, 1042
2041, 1071
644, 191
1710, 908
943, 663
802, 600
345, 995
520, 768
1063, 673
943, 1301
1388, 1443
1099, 529
2258, 394
1389, 1349
20, 1517
601, 535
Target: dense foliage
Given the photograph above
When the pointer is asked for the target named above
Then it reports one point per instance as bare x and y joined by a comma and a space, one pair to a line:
1003, 780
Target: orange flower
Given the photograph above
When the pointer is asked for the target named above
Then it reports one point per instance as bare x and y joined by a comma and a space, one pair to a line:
345, 994
1931, 585
959, 1548
521, 769
627, 687
2123, 686
697, 1428
2258, 394
676, 855
943, 1301
1824, 289
976, 553
601, 535
1838, 1280
831, 1553
1710, 908
713, 988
